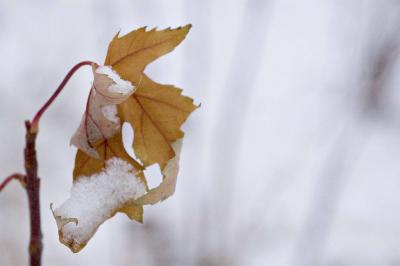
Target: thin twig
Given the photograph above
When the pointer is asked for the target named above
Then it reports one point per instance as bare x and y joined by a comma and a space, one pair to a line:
31, 167
31, 181
15, 176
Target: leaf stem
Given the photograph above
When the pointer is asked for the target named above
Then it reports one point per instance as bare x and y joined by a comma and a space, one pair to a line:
31, 180
34, 126
15, 176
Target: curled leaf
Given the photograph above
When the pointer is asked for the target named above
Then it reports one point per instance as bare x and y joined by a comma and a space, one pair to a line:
86, 165
100, 120
94, 199
167, 186
106, 179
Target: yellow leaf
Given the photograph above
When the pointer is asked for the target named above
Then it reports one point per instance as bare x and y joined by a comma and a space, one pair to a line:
100, 120
133, 210
106, 148
130, 54
156, 113
167, 186
121, 92
95, 199
86, 165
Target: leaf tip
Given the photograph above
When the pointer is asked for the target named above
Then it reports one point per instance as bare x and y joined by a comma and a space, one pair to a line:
116, 36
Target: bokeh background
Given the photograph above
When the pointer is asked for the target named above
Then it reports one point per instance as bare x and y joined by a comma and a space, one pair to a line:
293, 158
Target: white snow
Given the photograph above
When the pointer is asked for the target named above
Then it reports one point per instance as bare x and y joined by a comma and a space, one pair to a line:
94, 199
121, 85
110, 112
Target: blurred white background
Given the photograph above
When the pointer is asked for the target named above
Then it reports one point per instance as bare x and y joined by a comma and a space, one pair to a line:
293, 158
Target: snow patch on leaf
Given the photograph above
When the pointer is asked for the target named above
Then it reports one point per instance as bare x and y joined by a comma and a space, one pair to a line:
94, 199
100, 120
119, 85
110, 112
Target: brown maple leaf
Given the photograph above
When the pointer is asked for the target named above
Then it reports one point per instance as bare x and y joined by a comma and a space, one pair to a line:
121, 92
155, 111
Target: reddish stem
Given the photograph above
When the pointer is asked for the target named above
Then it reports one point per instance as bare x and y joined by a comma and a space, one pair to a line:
31, 181
18, 177
35, 121
33, 189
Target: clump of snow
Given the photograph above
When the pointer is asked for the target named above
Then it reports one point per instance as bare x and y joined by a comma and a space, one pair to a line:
121, 85
110, 112
94, 199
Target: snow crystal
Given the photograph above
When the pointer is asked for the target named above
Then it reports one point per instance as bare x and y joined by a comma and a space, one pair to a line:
121, 85
94, 199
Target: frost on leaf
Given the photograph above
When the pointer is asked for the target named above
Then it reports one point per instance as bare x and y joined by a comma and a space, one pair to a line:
94, 199
100, 120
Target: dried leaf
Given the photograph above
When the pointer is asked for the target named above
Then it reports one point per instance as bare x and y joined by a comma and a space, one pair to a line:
94, 199
99, 136
130, 54
167, 186
85, 165
100, 120
156, 113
